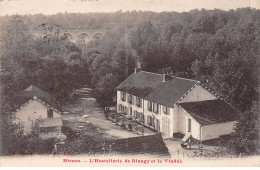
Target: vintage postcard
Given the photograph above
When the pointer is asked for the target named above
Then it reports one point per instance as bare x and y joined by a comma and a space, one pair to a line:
129, 83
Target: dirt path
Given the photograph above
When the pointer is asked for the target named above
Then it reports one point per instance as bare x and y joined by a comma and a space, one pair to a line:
97, 119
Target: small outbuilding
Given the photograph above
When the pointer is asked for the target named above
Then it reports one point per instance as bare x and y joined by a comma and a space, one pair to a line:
210, 119
38, 112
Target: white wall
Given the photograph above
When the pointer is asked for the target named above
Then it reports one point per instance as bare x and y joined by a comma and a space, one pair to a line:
198, 93
118, 100
183, 124
149, 113
212, 131
33, 110
178, 117
215, 130
126, 104
174, 119
181, 120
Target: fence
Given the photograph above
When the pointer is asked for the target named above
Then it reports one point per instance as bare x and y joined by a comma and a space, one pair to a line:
180, 154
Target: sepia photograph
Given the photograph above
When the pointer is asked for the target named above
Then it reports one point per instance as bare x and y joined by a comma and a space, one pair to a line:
149, 83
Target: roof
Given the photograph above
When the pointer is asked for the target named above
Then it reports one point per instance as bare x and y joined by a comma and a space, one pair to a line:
169, 92
152, 145
34, 93
51, 122
39, 100
211, 111
141, 83
150, 86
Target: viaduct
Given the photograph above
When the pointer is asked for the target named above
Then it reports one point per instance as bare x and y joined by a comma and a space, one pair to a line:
76, 36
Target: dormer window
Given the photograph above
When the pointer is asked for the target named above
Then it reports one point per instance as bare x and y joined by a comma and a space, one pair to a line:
49, 113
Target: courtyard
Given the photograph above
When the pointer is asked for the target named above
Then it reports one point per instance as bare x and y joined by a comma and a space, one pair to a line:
86, 120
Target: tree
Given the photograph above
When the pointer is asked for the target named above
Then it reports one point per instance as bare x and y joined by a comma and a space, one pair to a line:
245, 139
105, 89
15, 52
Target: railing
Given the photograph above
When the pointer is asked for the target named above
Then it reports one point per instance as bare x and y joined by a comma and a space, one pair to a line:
179, 154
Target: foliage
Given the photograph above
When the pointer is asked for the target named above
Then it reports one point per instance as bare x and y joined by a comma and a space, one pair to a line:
214, 46
54, 66
88, 141
219, 48
17, 143
245, 139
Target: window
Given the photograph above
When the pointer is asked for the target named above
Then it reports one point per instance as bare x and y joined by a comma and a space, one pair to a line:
189, 125
49, 113
123, 96
141, 117
138, 116
125, 110
157, 125
138, 102
131, 111
166, 110
149, 121
135, 114
156, 108
130, 99
120, 108
150, 106
153, 107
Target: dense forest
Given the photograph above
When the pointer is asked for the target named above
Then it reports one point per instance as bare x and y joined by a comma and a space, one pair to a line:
218, 48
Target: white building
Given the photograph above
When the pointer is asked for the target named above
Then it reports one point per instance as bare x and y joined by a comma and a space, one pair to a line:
38, 111
174, 105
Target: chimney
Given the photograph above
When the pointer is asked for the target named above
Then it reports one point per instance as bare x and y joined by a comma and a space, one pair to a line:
137, 70
166, 77
138, 64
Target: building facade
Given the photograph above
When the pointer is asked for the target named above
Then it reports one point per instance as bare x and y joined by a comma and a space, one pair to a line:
155, 100
36, 113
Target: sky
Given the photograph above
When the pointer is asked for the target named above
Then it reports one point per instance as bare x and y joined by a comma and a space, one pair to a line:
48, 7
